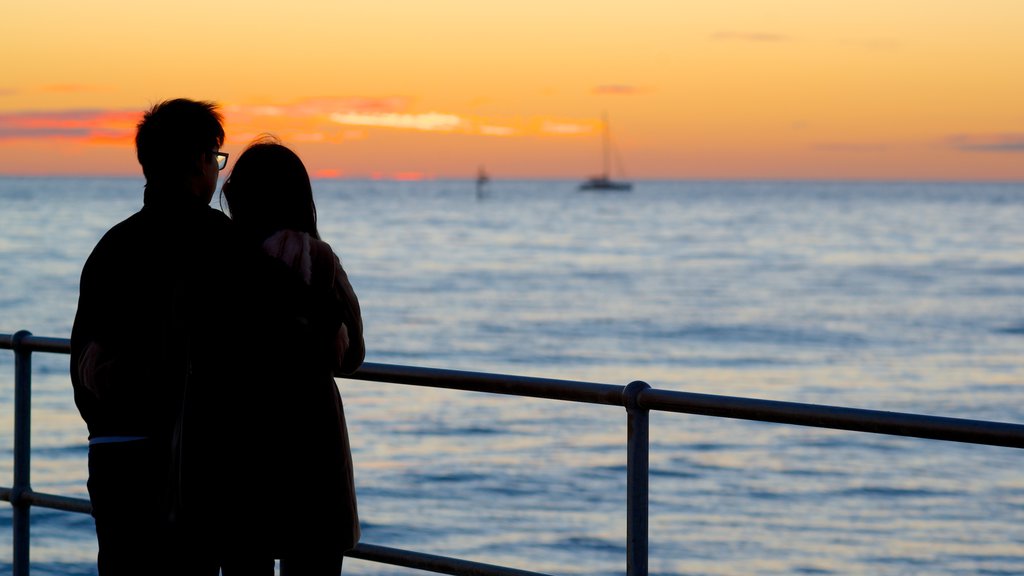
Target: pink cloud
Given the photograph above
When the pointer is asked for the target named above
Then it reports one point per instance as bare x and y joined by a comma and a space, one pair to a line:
402, 176
324, 106
411, 176
327, 173
85, 125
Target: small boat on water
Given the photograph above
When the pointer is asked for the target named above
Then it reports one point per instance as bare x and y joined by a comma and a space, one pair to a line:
481, 182
604, 182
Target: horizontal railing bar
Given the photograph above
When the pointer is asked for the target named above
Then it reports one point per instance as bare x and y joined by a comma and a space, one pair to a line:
433, 377
494, 383
38, 343
66, 503
370, 552
44, 500
836, 417
814, 415
46, 344
431, 563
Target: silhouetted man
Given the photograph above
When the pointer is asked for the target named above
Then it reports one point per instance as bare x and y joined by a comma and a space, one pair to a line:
151, 324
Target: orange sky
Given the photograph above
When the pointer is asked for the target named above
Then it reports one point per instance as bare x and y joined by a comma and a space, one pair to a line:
735, 89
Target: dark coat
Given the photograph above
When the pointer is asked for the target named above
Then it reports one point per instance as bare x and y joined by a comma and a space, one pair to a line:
150, 327
147, 307
288, 439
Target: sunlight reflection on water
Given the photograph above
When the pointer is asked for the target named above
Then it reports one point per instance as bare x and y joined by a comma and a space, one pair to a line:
876, 296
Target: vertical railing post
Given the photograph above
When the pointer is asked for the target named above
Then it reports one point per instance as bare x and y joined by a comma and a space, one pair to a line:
22, 451
637, 465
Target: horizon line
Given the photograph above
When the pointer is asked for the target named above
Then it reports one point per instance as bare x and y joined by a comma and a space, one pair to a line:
471, 178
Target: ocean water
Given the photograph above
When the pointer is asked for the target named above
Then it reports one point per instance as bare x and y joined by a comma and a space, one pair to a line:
906, 297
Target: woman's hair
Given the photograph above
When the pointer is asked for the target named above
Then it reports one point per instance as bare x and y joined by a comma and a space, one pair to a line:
268, 190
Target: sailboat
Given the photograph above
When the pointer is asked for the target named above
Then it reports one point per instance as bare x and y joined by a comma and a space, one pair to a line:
604, 181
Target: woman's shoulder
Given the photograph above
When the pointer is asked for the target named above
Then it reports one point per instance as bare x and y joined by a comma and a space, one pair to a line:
323, 261
313, 259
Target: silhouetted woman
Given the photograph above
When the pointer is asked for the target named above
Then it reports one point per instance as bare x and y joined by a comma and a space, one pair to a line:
293, 455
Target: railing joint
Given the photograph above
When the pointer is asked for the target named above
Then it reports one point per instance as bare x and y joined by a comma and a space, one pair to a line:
631, 394
20, 495
17, 340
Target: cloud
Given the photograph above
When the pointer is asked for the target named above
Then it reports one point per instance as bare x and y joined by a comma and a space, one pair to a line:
403, 176
428, 122
750, 36
330, 120
333, 119
327, 173
487, 130
307, 120
565, 128
101, 126
1010, 142
324, 106
617, 89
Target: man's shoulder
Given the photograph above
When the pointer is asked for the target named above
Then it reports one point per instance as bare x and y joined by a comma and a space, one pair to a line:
120, 233
155, 221
150, 229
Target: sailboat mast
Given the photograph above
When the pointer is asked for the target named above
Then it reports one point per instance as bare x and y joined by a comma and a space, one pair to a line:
604, 181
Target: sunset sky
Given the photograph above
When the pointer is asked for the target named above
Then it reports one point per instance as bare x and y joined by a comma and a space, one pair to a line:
404, 89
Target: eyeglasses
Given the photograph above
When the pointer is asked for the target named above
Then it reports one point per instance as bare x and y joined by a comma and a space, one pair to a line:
222, 159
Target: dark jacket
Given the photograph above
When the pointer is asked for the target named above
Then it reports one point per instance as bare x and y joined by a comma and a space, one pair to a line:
158, 337
292, 435
148, 315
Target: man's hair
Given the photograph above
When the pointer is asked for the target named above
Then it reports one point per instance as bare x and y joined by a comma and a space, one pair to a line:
172, 134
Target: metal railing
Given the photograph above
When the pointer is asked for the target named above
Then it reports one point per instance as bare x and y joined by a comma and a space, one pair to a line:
638, 398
